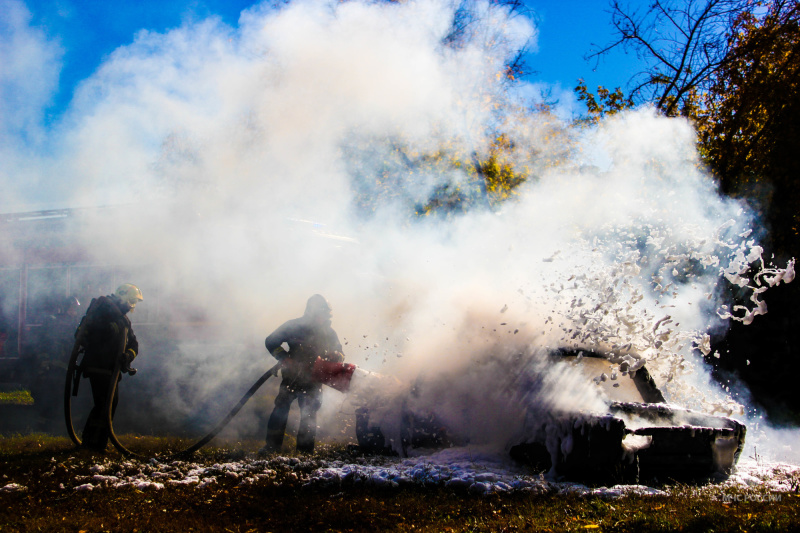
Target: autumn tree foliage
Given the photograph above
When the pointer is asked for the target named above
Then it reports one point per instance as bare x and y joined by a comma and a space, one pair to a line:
491, 177
749, 121
605, 103
733, 68
749, 132
449, 174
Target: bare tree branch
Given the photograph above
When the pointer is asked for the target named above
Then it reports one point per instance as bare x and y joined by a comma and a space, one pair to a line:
682, 43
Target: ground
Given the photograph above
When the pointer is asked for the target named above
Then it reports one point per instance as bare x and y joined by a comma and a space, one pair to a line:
48, 485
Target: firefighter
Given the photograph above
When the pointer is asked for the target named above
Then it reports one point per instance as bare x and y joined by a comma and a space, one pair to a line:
104, 324
297, 344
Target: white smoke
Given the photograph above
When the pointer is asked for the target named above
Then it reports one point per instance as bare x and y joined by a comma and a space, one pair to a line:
29, 71
257, 165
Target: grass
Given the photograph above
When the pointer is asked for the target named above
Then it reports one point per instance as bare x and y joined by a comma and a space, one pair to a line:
16, 397
50, 468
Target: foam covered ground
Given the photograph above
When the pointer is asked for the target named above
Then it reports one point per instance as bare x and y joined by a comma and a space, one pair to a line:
467, 469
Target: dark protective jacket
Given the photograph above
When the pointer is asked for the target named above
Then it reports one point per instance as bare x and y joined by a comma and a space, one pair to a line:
104, 321
306, 340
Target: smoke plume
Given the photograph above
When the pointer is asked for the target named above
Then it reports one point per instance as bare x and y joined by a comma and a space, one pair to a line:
249, 167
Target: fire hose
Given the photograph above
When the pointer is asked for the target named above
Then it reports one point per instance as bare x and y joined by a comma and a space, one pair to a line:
200, 443
71, 389
336, 375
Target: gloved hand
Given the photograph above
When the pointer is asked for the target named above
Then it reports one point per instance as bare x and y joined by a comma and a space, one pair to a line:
126, 358
334, 356
279, 353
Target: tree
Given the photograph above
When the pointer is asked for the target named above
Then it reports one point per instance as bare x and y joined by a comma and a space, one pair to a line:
605, 103
484, 178
466, 24
749, 121
682, 44
733, 67
749, 128
480, 170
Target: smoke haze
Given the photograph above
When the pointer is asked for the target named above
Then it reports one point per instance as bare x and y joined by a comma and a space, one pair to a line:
257, 165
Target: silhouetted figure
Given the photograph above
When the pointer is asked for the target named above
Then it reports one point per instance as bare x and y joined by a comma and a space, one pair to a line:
104, 325
297, 344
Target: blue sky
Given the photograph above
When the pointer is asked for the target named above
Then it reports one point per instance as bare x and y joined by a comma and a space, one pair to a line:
568, 32
89, 30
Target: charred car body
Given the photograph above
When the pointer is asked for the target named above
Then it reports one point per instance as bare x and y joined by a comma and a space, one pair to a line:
638, 437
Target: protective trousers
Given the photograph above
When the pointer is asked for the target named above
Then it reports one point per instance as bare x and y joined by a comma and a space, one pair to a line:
310, 400
96, 432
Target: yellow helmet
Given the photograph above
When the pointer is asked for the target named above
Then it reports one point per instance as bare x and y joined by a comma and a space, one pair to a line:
130, 294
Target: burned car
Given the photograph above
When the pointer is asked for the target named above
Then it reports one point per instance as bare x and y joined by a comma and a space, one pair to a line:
635, 437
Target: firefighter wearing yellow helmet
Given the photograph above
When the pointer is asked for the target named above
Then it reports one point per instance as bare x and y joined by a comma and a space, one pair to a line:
107, 335
130, 294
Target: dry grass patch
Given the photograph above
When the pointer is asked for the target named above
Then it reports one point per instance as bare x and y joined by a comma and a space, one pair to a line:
50, 469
